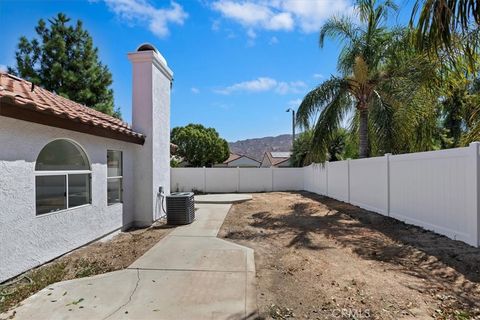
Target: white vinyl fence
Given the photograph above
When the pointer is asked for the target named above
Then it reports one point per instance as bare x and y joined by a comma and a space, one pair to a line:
236, 179
437, 190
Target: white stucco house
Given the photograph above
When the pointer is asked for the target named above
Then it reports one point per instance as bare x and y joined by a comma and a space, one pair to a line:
237, 160
70, 175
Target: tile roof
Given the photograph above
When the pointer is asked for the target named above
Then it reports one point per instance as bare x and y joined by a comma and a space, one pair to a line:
234, 156
276, 160
19, 93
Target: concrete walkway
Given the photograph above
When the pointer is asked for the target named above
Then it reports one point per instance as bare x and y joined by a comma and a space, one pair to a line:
223, 198
190, 274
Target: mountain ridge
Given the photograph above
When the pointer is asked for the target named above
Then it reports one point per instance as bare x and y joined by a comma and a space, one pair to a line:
256, 147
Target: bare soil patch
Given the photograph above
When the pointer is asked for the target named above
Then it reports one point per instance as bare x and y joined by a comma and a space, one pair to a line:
318, 258
96, 258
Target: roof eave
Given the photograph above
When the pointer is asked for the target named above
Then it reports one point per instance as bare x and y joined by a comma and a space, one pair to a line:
27, 112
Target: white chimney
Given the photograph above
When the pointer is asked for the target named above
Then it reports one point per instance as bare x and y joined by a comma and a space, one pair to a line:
152, 80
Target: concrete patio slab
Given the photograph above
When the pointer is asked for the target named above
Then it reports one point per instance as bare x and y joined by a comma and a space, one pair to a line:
223, 198
145, 294
187, 295
208, 221
190, 274
197, 253
95, 297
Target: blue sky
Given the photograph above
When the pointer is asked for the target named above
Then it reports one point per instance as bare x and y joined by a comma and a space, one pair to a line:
238, 64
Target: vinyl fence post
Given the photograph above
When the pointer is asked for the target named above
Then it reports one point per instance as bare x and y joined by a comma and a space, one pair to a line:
387, 204
238, 179
303, 178
475, 205
204, 179
326, 176
271, 171
348, 180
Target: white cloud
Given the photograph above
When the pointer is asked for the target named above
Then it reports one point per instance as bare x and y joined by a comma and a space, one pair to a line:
224, 106
142, 12
290, 87
310, 15
273, 40
294, 103
318, 76
285, 15
251, 14
257, 85
251, 34
251, 37
195, 90
263, 84
216, 25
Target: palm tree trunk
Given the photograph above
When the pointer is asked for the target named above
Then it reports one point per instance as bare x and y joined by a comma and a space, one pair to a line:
363, 133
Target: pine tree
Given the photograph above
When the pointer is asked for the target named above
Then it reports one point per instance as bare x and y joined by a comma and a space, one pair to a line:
63, 59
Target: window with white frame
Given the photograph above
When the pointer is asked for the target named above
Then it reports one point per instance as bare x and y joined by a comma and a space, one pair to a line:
114, 177
62, 177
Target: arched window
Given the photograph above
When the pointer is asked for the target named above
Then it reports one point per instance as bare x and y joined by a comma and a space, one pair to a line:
62, 177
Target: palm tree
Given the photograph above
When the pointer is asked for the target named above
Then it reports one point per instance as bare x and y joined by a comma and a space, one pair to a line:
442, 24
360, 56
370, 85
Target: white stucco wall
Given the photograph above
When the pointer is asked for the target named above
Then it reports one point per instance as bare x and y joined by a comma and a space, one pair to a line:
27, 240
151, 116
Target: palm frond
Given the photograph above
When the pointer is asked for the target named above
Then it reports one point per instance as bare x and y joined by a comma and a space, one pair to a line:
317, 99
439, 22
339, 27
328, 124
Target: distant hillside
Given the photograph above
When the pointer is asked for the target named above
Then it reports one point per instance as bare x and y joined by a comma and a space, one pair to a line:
255, 148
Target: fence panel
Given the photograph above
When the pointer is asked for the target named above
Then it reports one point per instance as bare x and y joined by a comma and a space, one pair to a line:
308, 178
221, 179
315, 178
337, 180
369, 184
187, 179
255, 179
287, 179
434, 190
320, 178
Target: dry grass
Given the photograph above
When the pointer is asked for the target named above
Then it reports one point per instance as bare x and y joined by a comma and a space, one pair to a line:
97, 258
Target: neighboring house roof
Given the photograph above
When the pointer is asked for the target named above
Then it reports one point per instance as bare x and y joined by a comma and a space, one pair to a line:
234, 156
22, 100
276, 158
280, 154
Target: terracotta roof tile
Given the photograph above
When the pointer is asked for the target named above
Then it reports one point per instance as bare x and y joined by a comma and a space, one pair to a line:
19, 92
232, 157
277, 160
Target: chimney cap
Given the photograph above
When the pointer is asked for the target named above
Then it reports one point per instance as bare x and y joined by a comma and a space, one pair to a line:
147, 47
150, 47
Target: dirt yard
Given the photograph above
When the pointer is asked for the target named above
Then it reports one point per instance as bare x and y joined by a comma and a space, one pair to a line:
99, 257
317, 258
